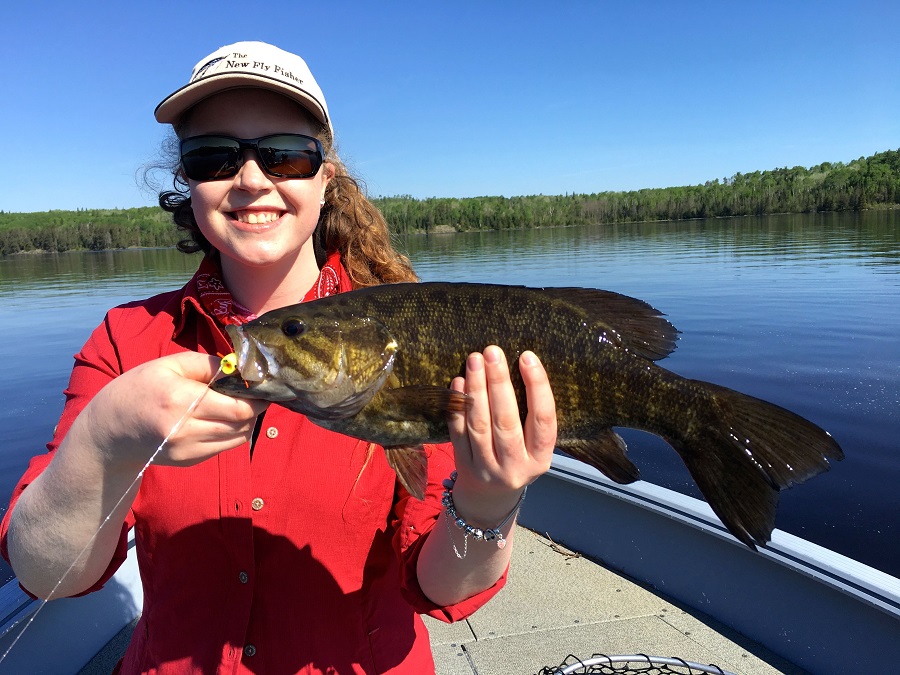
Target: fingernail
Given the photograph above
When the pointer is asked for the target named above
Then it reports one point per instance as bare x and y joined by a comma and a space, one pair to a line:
528, 359
493, 355
474, 362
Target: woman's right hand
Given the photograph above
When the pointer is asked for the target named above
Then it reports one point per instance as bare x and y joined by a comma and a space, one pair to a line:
129, 418
74, 510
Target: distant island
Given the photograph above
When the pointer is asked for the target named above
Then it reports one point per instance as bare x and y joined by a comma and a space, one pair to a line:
864, 183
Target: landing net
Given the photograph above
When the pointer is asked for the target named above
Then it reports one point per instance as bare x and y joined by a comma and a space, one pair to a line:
631, 663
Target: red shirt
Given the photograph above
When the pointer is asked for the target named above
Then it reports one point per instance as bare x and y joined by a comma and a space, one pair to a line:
301, 560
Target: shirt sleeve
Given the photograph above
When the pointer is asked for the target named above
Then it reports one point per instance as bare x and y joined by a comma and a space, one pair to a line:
414, 519
95, 365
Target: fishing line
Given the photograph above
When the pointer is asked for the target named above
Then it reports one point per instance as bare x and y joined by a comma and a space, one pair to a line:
227, 366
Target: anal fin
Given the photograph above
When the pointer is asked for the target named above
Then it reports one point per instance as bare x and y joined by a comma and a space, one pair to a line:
605, 451
411, 466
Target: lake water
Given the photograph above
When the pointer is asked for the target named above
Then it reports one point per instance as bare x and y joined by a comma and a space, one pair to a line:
803, 311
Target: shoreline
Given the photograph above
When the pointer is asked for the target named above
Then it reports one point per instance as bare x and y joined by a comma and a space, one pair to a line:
445, 229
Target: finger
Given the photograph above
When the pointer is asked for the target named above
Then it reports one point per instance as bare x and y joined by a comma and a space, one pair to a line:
203, 430
456, 423
541, 422
506, 425
478, 415
229, 409
199, 367
213, 427
201, 440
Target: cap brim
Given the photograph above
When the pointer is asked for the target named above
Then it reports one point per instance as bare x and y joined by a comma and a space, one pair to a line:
174, 106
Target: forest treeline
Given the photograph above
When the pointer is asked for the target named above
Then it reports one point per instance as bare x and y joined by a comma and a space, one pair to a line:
861, 184
86, 229
867, 182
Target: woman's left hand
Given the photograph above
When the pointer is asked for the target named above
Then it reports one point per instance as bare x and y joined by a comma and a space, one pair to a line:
496, 455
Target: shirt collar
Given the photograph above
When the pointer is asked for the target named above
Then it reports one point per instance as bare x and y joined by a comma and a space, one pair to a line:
207, 294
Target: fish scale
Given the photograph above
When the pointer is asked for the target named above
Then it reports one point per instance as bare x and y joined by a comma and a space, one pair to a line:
512, 323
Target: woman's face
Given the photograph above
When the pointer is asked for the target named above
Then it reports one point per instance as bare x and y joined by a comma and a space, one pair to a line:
254, 219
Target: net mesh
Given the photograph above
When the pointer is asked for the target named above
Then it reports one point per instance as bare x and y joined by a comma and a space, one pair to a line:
632, 663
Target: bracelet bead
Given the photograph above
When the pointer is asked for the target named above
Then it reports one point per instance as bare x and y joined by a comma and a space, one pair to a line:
479, 534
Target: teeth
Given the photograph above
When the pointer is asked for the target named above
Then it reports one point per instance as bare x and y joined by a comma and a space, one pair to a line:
256, 217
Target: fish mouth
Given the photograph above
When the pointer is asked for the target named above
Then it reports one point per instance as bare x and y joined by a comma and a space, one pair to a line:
337, 391
255, 361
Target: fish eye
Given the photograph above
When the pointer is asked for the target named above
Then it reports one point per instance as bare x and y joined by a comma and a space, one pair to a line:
293, 327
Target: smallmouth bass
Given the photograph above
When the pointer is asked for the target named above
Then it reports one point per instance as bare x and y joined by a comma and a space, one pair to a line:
376, 363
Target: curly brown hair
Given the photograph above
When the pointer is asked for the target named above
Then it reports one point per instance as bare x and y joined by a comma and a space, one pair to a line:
348, 223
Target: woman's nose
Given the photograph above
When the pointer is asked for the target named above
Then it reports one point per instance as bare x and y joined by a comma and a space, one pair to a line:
251, 176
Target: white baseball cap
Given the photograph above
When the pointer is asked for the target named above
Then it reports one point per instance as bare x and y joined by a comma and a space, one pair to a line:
247, 64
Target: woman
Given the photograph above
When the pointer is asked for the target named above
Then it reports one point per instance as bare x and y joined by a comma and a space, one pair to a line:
266, 544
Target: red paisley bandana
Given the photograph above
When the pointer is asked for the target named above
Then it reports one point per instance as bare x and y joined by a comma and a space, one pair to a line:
217, 300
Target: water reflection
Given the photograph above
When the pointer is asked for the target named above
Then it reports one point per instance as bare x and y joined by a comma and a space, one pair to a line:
77, 271
870, 239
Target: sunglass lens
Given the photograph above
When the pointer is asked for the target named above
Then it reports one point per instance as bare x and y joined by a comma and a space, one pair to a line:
209, 158
294, 156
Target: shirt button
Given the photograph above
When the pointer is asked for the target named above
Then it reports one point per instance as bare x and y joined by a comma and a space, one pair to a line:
249, 650
257, 503
244, 577
272, 432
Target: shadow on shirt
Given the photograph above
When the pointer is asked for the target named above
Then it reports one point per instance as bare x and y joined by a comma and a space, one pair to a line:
285, 614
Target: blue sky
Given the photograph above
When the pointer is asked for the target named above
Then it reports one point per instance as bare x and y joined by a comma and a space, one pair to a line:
462, 98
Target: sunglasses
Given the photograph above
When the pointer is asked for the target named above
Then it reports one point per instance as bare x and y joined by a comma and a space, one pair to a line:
283, 155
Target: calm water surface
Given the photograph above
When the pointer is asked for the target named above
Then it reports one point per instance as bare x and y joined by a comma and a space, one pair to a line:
798, 310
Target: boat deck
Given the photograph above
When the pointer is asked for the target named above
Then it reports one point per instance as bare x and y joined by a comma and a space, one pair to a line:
558, 603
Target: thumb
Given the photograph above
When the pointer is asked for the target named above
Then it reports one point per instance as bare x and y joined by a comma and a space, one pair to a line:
194, 366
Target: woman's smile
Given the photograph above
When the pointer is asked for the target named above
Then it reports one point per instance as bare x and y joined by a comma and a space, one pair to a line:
256, 217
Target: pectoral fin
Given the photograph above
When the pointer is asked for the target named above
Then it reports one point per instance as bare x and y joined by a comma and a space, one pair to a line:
411, 466
422, 400
606, 452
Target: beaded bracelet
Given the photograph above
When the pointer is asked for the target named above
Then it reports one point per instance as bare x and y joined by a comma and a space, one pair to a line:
493, 534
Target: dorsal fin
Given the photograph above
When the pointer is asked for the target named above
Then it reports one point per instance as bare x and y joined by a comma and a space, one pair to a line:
641, 328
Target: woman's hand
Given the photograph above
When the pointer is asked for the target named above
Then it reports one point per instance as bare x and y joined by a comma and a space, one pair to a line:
75, 509
496, 455
496, 458
128, 419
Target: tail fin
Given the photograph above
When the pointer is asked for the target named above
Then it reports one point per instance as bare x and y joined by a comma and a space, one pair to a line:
742, 451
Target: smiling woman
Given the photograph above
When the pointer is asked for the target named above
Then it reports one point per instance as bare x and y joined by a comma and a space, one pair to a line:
299, 541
